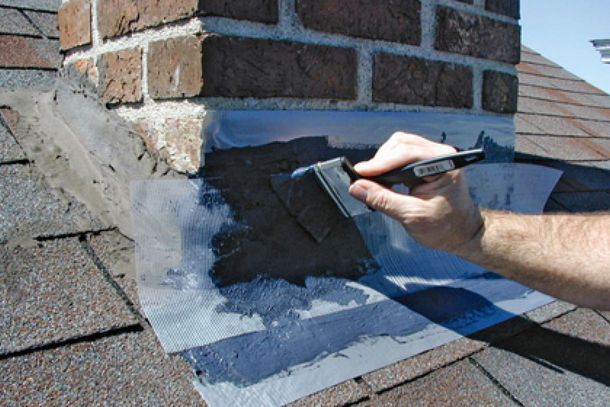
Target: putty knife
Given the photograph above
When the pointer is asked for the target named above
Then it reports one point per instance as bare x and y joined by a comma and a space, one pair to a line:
335, 177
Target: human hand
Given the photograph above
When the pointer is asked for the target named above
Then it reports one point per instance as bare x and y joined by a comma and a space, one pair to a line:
440, 213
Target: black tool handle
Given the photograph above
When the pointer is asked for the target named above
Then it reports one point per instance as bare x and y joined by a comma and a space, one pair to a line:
413, 174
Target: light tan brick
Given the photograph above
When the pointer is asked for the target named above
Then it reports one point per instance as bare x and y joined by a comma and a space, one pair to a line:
74, 24
121, 76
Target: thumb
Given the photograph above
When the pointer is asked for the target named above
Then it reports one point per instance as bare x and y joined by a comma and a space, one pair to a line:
382, 199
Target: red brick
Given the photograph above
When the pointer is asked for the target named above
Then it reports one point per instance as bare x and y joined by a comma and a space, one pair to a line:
500, 92
120, 75
118, 17
414, 81
175, 67
74, 20
27, 52
398, 21
246, 67
477, 36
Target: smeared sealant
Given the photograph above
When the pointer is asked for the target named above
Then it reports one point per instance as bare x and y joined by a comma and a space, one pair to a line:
277, 302
266, 239
494, 152
250, 358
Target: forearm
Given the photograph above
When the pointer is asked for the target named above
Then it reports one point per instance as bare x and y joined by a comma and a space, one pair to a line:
566, 256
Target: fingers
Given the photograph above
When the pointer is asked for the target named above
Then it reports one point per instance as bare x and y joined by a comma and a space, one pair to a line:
435, 184
382, 199
401, 149
390, 159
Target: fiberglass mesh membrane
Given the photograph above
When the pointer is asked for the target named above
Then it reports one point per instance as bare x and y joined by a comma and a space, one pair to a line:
269, 341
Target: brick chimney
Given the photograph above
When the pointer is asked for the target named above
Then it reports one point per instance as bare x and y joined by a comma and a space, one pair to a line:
163, 64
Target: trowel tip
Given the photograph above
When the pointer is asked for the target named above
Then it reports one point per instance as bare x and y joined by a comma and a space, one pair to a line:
300, 172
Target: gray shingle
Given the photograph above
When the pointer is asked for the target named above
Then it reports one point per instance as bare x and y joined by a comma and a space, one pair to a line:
117, 254
434, 359
459, 384
54, 292
45, 22
9, 149
546, 70
562, 84
550, 311
554, 126
564, 148
523, 126
544, 107
564, 96
597, 129
524, 146
532, 57
600, 100
28, 209
339, 395
47, 5
27, 79
565, 362
126, 369
13, 22
593, 113
421, 364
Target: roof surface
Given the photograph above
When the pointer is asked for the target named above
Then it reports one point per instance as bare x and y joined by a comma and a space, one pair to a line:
73, 332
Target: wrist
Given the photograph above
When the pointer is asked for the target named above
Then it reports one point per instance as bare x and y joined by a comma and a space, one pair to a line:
471, 248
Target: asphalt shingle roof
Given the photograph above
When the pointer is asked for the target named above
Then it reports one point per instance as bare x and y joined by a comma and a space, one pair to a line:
72, 331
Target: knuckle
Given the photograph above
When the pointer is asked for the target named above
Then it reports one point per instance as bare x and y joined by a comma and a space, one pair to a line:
402, 137
379, 200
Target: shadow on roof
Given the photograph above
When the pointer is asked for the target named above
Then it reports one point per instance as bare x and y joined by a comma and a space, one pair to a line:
582, 188
519, 335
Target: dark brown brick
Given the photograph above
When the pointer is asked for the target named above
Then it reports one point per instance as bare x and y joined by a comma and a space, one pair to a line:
508, 8
500, 92
477, 36
74, 19
397, 20
245, 67
121, 76
242, 67
117, 17
174, 67
264, 11
414, 81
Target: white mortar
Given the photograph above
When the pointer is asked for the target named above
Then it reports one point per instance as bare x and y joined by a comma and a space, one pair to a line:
289, 28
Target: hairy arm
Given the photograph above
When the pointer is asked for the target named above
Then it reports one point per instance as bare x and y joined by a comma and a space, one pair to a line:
566, 256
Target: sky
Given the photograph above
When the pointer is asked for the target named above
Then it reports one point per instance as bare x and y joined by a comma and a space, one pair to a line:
561, 30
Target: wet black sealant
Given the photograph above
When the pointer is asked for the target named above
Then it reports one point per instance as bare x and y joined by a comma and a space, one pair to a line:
266, 239
247, 359
268, 265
